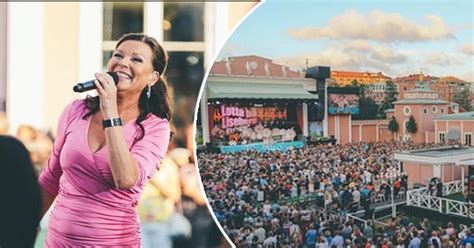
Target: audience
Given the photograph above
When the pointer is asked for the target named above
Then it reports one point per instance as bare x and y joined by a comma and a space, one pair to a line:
262, 198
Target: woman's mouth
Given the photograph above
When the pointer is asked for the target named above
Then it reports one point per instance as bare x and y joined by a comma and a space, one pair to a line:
123, 76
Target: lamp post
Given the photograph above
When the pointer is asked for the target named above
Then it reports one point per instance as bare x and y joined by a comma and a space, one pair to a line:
391, 175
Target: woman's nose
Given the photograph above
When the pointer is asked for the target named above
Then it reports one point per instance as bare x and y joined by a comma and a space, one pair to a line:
124, 62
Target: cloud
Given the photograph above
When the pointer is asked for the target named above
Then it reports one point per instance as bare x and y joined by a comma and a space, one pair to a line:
378, 26
468, 49
354, 55
468, 76
386, 54
442, 59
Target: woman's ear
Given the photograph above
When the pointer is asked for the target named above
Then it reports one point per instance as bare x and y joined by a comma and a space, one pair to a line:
154, 76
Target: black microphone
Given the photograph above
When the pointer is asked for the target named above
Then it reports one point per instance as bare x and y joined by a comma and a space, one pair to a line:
89, 85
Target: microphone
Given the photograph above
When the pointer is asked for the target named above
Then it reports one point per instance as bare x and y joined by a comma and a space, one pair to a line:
89, 85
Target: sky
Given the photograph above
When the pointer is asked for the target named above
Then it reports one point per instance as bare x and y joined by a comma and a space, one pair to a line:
396, 37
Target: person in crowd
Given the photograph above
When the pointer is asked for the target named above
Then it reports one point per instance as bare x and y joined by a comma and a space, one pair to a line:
469, 238
3, 123
21, 197
38, 143
106, 149
434, 240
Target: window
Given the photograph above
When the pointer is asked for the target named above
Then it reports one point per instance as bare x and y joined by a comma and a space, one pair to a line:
118, 19
468, 139
407, 110
442, 137
425, 111
434, 109
183, 22
121, 18
442, 110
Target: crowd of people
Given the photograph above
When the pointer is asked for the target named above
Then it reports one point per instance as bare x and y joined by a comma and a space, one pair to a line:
249, 194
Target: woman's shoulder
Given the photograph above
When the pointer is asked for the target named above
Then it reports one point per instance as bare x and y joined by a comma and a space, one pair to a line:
153, 121
74, 109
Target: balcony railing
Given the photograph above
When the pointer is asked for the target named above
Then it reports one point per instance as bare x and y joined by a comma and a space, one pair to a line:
422, 198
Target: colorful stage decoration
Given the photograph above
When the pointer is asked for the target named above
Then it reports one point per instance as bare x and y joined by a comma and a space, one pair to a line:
244, 125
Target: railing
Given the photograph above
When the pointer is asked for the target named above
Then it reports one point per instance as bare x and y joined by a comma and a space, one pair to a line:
357, 220
459, 208
422, 198
452, 187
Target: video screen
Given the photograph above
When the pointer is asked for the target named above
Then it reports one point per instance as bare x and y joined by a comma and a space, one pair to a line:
343, 104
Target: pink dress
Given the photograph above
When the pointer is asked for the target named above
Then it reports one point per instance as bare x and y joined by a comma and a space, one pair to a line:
89, 210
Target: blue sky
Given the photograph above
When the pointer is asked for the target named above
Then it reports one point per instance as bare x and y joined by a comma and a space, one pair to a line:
395, 37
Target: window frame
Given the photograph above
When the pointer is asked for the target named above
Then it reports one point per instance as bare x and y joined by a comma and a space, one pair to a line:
443, 140
465, 138
405, 112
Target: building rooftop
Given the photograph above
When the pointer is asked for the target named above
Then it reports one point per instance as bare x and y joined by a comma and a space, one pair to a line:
351, 74
459, 116
254, 66
443, 155
451, 79
420, 101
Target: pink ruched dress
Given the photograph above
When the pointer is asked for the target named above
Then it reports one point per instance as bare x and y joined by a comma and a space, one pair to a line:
89, 210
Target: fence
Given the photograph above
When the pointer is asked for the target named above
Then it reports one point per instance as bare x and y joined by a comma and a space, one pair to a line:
422, 198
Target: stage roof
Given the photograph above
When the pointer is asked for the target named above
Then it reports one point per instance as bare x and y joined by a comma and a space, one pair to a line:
257, 90
443, 155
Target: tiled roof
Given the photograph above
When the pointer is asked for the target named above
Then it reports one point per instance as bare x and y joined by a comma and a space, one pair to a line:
253, 66
356, 74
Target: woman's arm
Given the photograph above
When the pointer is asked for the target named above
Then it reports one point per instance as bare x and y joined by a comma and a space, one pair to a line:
122, 165
49, 178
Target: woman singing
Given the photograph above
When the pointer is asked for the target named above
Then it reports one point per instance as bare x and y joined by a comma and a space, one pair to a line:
106, 148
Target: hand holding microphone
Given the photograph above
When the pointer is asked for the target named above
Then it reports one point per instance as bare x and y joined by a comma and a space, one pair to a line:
90, 85
106, 90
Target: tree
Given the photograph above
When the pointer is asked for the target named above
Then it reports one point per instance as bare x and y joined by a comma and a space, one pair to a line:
411, 125
390, 96
354, 83
368, 109
393, 125
463, 98
335, 84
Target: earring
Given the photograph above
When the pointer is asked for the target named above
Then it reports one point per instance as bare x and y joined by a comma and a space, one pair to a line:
148, 93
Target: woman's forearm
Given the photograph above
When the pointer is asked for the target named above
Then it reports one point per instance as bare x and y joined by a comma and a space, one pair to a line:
122, 165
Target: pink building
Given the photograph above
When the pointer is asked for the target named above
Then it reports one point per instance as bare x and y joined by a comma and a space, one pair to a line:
424, 105
455, 127
447, 163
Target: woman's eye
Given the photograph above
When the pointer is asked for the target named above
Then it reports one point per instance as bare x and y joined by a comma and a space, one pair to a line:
117, 55
137, 59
